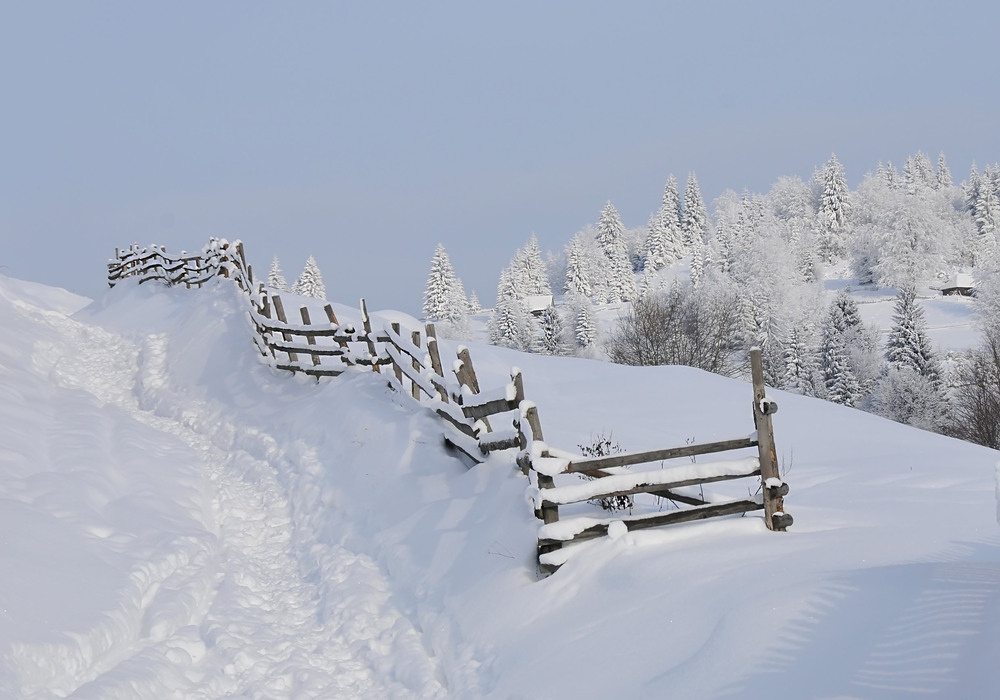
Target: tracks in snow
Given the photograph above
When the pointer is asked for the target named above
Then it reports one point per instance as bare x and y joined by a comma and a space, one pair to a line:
240, 610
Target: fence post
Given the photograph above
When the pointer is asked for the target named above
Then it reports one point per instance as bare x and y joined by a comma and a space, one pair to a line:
432, 350
415, 390
548, 513
396, 369
367, 323
279, 310
774, 516
467, 377
310, 338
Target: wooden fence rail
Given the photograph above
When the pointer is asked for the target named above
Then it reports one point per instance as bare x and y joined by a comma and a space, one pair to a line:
329, 348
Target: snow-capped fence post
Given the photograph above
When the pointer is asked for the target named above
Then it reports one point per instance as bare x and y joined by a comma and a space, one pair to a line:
466, 374
279, 311
774, 489
332, 318
396, 369
548, 512
432, 351
367, 323
415, 389
310, 338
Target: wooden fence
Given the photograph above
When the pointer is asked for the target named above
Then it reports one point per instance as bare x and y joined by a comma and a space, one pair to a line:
609, 479
328, 348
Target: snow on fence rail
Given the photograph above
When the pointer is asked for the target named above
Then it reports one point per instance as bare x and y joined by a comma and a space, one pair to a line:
328, 348
543, 465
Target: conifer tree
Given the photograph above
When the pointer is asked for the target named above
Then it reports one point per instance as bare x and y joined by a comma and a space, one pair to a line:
275, 280
584, 324
908, 344
551, 336
444, 295
694, 224
834, 209
943, 176
475, 307
577, 270
611, 237
310, 282
664, 240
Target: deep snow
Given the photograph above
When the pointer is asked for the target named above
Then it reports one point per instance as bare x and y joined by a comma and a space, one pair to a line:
181, 521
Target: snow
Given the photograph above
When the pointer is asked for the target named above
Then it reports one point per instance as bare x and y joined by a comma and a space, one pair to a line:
585, 490
181, 520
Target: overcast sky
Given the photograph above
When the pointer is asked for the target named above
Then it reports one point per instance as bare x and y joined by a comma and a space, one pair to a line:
366, 133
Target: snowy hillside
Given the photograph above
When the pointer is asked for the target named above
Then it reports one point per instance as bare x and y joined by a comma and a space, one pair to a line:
179, 520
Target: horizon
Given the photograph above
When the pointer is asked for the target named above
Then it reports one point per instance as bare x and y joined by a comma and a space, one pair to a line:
366, 136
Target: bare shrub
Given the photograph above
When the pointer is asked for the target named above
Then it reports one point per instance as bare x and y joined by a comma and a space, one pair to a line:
976, 399
602, 446
683, 326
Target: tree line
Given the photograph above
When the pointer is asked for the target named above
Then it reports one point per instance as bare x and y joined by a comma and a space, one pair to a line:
701, 289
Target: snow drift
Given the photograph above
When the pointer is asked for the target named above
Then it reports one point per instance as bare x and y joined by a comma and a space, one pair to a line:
182, 521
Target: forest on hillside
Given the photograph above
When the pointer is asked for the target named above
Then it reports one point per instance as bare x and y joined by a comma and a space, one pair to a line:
700, 288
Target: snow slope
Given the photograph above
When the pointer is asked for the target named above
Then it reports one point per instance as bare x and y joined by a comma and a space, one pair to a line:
180, 521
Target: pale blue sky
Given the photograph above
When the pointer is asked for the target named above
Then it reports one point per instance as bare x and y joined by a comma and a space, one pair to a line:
365, 133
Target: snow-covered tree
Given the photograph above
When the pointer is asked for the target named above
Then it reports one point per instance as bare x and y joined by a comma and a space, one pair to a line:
475, 307
584, 324
444, 295
577, 269
310, 282
551, 338
918, 173
664, 239
694, 223
909, 345
510, 325
943, 175
275, 280
611, 238
834, 208
528, 271
905, 396
840, 385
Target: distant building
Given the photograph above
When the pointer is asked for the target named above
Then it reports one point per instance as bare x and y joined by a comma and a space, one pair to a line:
537, 303
959, 283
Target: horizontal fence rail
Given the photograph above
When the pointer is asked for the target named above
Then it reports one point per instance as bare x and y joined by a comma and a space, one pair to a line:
413, 367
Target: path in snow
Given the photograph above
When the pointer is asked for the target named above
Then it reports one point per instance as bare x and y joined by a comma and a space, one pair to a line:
229, 615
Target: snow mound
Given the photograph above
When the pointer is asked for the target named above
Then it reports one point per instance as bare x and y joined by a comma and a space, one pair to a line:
182, 521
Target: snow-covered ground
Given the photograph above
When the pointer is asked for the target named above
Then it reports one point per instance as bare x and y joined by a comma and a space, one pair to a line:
180, 521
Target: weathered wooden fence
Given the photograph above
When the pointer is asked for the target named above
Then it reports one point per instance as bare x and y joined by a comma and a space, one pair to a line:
608, 480
328, 348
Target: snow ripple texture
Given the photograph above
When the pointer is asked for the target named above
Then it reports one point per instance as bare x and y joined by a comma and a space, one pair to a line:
251, 607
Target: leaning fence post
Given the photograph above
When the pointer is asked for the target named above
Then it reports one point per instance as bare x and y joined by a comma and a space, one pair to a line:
396, 369
367, 323
432, 350
415, 390
549, 512
310, 338
279, 311
466, 375
771, 485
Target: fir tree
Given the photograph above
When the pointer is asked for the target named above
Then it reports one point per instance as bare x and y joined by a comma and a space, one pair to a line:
310, 282
834, 208
275, 280
943, 177
584, 325
551, 336
444, 295
611, 237
510, 324
577, 270
475, 307
694, 224
840, 385
908, 345
664, 239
